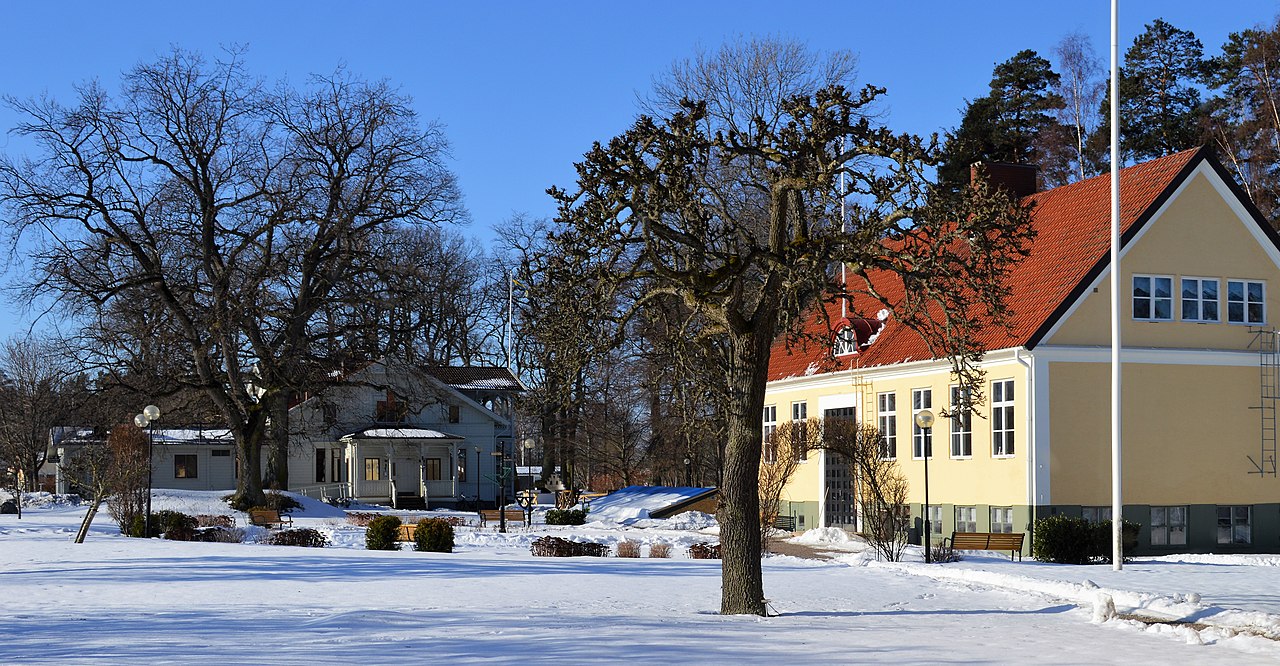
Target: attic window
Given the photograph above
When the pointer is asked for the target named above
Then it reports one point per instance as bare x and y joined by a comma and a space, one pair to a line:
846, 342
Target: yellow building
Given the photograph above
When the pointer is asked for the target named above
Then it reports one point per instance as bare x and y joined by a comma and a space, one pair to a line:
1199, 270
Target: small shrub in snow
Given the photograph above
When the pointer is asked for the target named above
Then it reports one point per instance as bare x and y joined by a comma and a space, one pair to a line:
705, 551
209, 520
305, 537
549, 546
274, 500
173, 525
433, 535
941, 553
566, 516
660, 550
361, 518
219, 535
382, 533
629, 548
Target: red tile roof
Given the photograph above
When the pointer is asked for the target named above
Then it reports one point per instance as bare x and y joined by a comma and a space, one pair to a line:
1073, 225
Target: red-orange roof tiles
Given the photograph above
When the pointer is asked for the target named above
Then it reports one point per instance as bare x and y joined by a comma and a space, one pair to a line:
1073, 225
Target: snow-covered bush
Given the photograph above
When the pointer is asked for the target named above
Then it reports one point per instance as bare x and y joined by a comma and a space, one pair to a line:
219, 535
382, 533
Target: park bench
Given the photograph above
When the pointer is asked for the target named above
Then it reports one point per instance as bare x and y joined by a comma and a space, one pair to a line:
785, 523
406, 532
1001, 541
513, 515
269, 518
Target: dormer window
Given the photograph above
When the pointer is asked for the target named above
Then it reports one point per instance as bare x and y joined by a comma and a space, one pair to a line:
390, 410
846, 342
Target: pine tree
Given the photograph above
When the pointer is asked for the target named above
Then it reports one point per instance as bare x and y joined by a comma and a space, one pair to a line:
1010, 123
1159, 101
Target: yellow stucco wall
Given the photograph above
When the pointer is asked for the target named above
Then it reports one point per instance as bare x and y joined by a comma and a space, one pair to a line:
1198, 235
1186, 432
951, 481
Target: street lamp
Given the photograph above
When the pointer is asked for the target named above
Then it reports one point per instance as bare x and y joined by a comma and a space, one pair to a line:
150, 414
924, 419
526, 451
688, 479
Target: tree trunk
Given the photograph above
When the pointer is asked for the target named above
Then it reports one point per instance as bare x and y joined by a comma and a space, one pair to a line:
742, 584
277, 476
88, 517
249, 451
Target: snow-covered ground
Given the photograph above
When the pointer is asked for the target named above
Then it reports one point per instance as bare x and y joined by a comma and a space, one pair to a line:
118, 600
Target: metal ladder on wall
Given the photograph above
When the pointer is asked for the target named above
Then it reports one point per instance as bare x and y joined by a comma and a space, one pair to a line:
1269, 374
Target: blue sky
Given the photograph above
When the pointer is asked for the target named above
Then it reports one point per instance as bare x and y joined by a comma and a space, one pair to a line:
524, 88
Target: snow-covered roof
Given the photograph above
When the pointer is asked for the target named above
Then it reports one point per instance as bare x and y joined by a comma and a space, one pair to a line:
476, 378
401, 433
77, 436
643, 501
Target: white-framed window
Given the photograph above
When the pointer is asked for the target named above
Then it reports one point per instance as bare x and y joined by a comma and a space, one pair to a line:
921, 399
1096, 514
769, 453
1002, 418
966, 519
799, 419
1200, 299
1002, 519
1153, 297
887, 420
961, 424
935, 519
1168, 525
1235, 524
846, 342
1246, 302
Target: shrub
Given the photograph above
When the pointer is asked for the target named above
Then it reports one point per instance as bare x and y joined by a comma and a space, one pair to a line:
705, 551
629, 548
1067, 540
660, 550
566, 516
940, 553
361, 518
219, 535
209, 520
274, 500
173, 525
382, 533
433, 535
305, 537
549, 546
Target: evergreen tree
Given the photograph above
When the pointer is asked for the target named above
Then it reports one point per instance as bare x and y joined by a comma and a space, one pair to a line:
1159, 100
1010, 123
1244, 114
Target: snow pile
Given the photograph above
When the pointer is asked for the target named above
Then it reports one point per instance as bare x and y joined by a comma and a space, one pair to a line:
634, 503
691, 521
43, 499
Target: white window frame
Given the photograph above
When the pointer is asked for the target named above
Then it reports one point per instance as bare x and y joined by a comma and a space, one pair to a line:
1002, 422
887, 421
935, 519
917, 433
1151, 298
800, 418
961, 427
966, 518
769, 425
1096, 514
1245, 319
846, 342
1198, 300
1169, 525
1234, 533
1001, 519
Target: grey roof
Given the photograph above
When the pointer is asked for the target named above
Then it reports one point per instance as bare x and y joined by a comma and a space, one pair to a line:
470, 378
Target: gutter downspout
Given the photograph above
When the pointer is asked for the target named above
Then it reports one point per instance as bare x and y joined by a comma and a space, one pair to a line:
1029, 364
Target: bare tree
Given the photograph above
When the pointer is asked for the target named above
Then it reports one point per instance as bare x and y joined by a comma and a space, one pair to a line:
1081, 86
731, 203
880, 487
783, 451
233, 210
127, 478
39, 389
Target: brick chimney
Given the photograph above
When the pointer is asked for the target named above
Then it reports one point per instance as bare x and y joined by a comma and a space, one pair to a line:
1019, 179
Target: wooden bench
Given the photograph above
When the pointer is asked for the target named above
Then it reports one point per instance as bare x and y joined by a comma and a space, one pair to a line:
1010, 541
269, 518
406, 532
513, 515
785, 523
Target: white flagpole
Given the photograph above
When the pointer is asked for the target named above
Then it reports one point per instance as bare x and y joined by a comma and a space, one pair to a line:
844, 229
1117, 518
